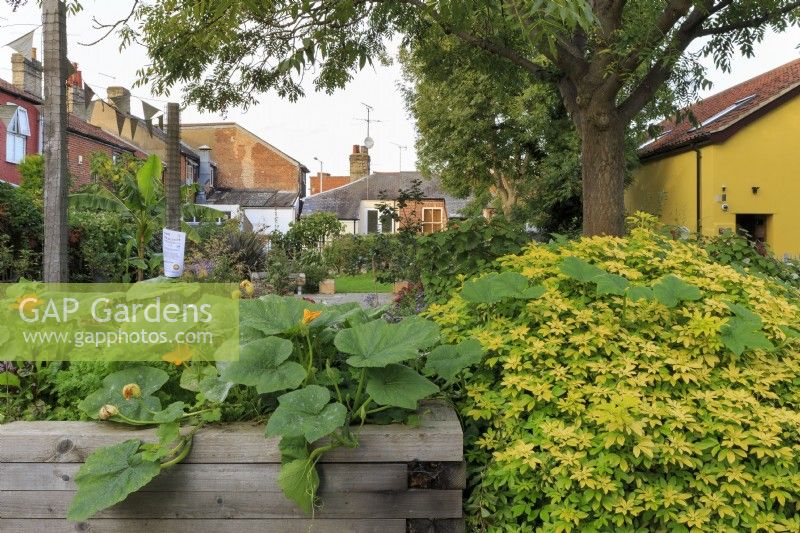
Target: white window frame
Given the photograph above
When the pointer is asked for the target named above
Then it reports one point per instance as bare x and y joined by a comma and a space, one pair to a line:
19, 129
440, 224
192, 172
380, 222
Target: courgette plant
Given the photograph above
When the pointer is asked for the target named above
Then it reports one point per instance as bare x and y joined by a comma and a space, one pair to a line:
331, 369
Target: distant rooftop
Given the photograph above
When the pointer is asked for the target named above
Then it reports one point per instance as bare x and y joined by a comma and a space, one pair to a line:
269, 198
724, 113
344, 201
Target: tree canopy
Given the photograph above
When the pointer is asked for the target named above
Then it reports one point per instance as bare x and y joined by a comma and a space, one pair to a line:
487, 128
609, 58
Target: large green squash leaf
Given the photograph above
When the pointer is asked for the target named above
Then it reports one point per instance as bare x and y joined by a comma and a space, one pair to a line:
638, 292
307, 413
194, 374
399, 386
448, 360
108, 476
580, 270
671, 290
273, 315
149, 380
215, 389
494, 287
739, 335
172, 413
743, 331
262, 364
300, 481
379, 343
608, 283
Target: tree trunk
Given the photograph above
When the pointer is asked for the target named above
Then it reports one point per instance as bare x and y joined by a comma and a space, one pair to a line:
55, 142
172, 185
603, 173
507, 194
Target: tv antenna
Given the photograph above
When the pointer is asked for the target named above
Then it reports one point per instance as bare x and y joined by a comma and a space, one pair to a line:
400, 148
369, 142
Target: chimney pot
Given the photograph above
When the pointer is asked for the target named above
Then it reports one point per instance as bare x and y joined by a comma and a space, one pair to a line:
121, 97
359, 162
26, 74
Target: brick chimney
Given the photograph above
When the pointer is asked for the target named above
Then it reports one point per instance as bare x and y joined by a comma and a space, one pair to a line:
121, 98
26, 74
359, 162
76, 101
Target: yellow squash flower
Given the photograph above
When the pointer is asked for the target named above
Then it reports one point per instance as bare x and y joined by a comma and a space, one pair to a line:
107, 411
131, 390
179, 356
309, 315
26, 302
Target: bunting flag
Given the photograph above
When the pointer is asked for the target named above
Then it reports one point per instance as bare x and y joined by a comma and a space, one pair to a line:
120, 121
7, 113
23, 45
90, 110
149, 124
117, 101
88, 95
134, 125
149, 111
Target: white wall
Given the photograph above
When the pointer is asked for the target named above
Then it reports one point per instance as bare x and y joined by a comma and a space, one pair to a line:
267, 220
349, 227
362, 213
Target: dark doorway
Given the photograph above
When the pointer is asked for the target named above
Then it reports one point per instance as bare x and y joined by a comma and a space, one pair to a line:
754, 227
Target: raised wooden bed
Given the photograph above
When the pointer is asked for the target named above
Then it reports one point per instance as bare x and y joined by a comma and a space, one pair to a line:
228, 481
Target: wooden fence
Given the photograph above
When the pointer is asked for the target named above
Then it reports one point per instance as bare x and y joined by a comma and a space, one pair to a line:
400, 479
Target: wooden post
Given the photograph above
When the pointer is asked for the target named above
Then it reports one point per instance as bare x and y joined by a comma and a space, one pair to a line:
54, 28
172, 185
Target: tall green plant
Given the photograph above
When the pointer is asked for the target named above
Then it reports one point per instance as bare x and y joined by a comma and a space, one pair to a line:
140, 199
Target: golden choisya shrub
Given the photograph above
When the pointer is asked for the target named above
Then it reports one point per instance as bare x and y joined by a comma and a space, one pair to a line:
629, 384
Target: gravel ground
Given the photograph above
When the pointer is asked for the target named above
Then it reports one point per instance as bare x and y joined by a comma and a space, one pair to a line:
366, 299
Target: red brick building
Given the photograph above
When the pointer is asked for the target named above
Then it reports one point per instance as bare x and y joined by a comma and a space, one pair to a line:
20, 110
245, 160
85, 140
20, 104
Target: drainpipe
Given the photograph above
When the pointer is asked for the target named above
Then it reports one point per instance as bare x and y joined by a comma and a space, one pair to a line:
698, 185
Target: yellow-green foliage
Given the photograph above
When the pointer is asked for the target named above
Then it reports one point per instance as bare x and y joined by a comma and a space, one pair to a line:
594, 412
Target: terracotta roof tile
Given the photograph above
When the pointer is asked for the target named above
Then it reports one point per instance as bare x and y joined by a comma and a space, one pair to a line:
725, 110
12, 89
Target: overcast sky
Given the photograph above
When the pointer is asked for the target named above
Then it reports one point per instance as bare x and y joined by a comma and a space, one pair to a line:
319, 125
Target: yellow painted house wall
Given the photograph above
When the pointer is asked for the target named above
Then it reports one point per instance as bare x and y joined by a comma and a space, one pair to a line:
764, 154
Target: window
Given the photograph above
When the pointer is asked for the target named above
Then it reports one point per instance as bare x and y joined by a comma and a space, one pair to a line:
17, 136
733, 107
432, 219
191, 172
377, 223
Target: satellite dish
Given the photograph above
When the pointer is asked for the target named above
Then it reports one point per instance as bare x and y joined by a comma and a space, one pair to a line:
369, 142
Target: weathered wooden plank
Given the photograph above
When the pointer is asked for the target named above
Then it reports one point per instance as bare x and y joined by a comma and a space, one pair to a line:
335, 477
202, 526
437, 475
218, 505
448, 525
438, 438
